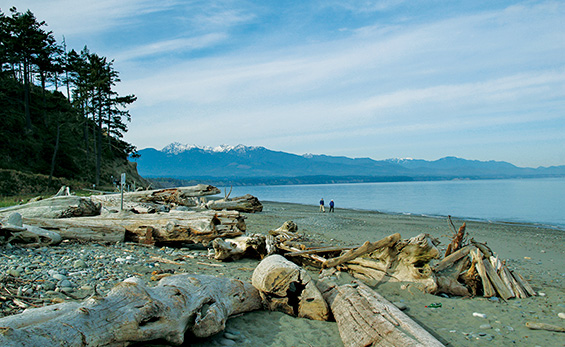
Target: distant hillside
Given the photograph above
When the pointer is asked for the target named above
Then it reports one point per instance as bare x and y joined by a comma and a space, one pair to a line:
258, 165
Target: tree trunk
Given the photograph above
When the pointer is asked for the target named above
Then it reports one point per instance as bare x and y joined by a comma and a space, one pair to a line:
365, 318
99, 141
179, 306
54, 155
56, 207
246, 203
186, 227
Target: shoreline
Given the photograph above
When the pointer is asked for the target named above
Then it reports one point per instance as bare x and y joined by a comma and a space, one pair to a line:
537, 254
432, 216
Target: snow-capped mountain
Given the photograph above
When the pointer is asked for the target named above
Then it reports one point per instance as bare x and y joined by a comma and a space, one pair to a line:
177, 148
242, 162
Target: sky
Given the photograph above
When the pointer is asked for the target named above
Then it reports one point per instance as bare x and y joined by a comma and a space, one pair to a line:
481, 79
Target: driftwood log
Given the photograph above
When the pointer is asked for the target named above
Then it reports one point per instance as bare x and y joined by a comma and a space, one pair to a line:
406, 260
247, 203
56, 207
251, 246
149, 199
12, 230
178, 227
288, 288
179, 306
365, 318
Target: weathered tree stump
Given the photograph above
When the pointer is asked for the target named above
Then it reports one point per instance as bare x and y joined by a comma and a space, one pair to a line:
252, 246
288, 288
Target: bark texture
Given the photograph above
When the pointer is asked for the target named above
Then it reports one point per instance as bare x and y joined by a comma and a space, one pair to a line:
132, 312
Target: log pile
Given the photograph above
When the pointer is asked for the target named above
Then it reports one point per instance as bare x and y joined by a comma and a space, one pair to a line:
149, 217
468, 268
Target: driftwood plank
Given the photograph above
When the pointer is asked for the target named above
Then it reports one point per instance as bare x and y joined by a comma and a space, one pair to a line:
496, 281
488, 289
452, 258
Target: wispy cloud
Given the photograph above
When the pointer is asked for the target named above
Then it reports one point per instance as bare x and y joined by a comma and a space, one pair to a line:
178, 45
360, 78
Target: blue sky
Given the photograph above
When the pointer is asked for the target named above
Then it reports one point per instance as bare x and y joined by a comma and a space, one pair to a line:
475, 79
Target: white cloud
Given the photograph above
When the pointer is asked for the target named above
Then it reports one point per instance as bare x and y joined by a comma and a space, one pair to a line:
170, 46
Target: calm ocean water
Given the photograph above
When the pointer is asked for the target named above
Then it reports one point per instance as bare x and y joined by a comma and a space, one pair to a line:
538, 201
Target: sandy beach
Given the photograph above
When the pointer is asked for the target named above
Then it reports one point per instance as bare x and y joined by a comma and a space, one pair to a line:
536, 253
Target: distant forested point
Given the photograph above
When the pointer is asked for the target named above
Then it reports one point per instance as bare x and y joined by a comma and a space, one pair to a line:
61, 114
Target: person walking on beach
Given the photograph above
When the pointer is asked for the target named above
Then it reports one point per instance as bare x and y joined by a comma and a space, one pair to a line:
322, 209
332, 206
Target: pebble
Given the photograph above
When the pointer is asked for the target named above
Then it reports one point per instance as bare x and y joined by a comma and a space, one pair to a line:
13, 272
59, 277
561, 315
80, 264
65, 284
485, 326
71, 267
480, 315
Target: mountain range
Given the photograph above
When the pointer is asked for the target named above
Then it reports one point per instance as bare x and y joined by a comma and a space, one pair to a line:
258, 165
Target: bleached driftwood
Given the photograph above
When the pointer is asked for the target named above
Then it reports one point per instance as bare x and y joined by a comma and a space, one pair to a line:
183, 196
12, 230
247, 203
56, 207
251, 246
179, 227
544, 326
406, 260
63, 191
286, 287
179, 306
365, 318
367, 247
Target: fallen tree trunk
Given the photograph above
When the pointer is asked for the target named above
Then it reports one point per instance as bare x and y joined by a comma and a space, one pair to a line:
180, 227
247, 203
195, 305
56, 207
365, 318
183, 196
